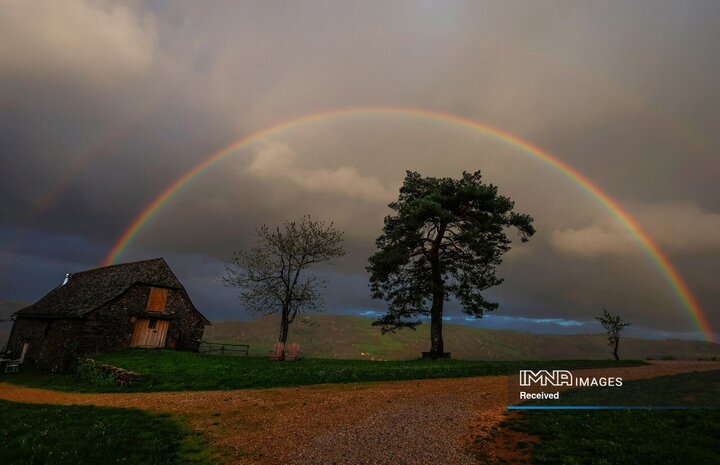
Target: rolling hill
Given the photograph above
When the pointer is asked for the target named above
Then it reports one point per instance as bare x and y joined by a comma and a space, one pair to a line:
333, 336
353, 337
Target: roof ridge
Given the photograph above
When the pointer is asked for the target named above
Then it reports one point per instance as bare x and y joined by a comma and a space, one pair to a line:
118, 265
87, 290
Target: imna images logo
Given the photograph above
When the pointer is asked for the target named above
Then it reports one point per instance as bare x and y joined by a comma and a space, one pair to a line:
545, 377
564, 378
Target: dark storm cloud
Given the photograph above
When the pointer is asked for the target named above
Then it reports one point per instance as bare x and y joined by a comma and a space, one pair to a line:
105, 104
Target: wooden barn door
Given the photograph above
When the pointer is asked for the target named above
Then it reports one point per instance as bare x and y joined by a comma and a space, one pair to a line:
149, 333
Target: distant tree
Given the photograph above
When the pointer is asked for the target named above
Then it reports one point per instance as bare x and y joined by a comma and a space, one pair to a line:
273, 276
445, 239
613, 324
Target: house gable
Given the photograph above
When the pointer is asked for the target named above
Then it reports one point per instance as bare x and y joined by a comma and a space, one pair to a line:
97, 310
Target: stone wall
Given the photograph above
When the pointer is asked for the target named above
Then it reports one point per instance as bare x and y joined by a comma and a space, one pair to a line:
53, 342
187, 328
112, 325
60, 348
29, 330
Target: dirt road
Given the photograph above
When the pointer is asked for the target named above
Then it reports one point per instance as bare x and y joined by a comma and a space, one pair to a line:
402, 422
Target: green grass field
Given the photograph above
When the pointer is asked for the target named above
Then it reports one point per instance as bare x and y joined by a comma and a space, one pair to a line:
184, 371
84, 435
642, 437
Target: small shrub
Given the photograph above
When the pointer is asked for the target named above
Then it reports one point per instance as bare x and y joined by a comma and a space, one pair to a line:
89, 373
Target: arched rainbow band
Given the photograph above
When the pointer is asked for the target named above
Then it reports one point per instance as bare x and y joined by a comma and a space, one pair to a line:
668, 271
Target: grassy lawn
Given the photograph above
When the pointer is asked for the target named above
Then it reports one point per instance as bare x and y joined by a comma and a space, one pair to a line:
181, 371
77, 435
640, 437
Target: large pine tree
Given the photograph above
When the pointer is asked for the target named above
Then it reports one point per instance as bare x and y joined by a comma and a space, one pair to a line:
445, 239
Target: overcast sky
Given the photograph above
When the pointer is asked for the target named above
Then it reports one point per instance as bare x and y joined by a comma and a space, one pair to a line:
103, 105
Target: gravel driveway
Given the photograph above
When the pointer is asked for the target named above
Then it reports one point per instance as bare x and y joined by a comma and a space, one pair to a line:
403, 422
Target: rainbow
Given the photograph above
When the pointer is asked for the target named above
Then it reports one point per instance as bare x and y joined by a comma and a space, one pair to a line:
76, 168
666, 268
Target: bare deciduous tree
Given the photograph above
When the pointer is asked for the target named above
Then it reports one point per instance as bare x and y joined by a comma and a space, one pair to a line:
273, 277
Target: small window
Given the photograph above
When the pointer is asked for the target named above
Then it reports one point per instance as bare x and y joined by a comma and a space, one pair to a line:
157, 300
152, 324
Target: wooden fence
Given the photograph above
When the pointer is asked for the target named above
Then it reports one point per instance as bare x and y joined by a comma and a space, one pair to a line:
224, 349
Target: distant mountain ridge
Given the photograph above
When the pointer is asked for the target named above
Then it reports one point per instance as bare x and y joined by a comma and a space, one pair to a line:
335, 336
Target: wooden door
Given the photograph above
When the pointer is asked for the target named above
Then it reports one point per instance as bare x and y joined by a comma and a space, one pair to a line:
149, 332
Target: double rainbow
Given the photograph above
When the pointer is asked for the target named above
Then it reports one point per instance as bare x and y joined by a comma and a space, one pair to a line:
666, 268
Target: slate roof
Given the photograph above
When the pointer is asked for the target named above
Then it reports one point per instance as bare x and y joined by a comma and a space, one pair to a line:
91, 289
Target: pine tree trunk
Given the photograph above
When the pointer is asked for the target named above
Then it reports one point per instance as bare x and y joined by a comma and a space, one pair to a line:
437, 347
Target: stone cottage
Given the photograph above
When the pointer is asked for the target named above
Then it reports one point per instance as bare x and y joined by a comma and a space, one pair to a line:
139, 304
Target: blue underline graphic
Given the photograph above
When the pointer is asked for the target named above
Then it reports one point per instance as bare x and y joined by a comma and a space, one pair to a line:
610, 407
